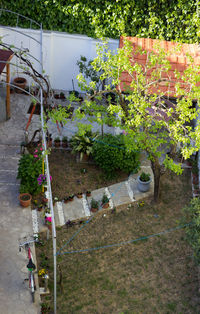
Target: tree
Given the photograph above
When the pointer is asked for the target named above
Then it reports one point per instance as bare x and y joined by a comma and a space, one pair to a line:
152, 122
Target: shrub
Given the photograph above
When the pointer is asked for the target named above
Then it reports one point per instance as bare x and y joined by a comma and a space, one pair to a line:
192, 212
29, 169
110, 153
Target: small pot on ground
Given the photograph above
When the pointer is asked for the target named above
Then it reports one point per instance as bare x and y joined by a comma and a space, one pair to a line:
79, 195
88, 193
66, 200
105, 201
64, 141
144, 181
49, 226
94, 206
57, 142
21, 83
71, 197
25, 199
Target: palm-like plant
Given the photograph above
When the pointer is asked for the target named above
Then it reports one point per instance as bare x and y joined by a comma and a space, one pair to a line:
83, 143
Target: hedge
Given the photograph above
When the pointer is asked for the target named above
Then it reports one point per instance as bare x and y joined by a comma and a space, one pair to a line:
169, 20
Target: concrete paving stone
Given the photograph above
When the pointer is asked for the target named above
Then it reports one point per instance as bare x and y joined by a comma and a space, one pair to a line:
8, 164
8, 177
119, 194
74, 210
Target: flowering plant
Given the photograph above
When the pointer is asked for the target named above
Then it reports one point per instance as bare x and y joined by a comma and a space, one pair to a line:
38, 151
42, 179
48, 218
42, 272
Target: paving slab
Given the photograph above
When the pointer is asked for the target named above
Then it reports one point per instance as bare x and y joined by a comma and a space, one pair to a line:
119, 194
8, 177
74, 210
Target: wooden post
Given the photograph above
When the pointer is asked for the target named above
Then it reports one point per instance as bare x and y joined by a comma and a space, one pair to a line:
8, 91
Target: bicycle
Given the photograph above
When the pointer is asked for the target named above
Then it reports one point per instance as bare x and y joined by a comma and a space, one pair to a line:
30, 266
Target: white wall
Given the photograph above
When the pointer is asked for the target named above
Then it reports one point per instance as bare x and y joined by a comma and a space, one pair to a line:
60, 53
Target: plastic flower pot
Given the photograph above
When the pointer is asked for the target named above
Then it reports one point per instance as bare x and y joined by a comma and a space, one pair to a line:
143, 186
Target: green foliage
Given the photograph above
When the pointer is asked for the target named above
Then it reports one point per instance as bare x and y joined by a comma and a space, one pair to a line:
82, 143
104, 199
94, 203
145, 177
192, 212
88, 71
65, 139
29, 170
57, 139
170, 20
110, 153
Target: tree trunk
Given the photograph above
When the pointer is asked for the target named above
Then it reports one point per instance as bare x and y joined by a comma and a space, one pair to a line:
157, 173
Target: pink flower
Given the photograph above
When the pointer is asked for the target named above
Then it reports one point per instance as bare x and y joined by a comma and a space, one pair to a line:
40, 148
35, 156
36, 151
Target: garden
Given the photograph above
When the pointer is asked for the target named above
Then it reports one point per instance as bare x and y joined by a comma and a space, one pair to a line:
158, 274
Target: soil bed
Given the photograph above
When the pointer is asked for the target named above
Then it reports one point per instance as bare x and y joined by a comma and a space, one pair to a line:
157, 275
71, 177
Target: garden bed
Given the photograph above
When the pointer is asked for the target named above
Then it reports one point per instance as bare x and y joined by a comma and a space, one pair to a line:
72, 177
157, 275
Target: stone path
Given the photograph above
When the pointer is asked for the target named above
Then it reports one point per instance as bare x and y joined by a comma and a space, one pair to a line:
15, 223
119, 194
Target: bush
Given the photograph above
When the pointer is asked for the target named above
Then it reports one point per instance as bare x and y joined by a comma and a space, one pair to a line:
29, 170
192, 212
111, 154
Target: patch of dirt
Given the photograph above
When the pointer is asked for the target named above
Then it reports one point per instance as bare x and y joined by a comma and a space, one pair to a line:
72, 177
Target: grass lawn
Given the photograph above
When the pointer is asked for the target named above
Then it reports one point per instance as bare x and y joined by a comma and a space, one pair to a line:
70, 177
157, 275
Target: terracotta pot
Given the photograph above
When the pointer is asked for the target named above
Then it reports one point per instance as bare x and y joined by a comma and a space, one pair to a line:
21, 83
94, 210
57, 144
49, 143
25, 199
105, 205
88, 194
64, 144
79, 195
49, 226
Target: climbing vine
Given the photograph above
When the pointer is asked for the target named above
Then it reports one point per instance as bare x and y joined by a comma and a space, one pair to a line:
170, 20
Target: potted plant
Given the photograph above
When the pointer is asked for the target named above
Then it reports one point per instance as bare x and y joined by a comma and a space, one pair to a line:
79, 195
64, 141
94, 206
71, 197
62, 96
144, 181
57, 142
25, 199
88, 193
48, 220
105, 201
66, 199
21, 83
82, 144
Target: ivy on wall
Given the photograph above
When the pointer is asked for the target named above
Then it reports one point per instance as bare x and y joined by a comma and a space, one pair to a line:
164, 19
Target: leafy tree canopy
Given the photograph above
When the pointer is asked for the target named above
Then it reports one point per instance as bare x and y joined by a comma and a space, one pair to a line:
152, 122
